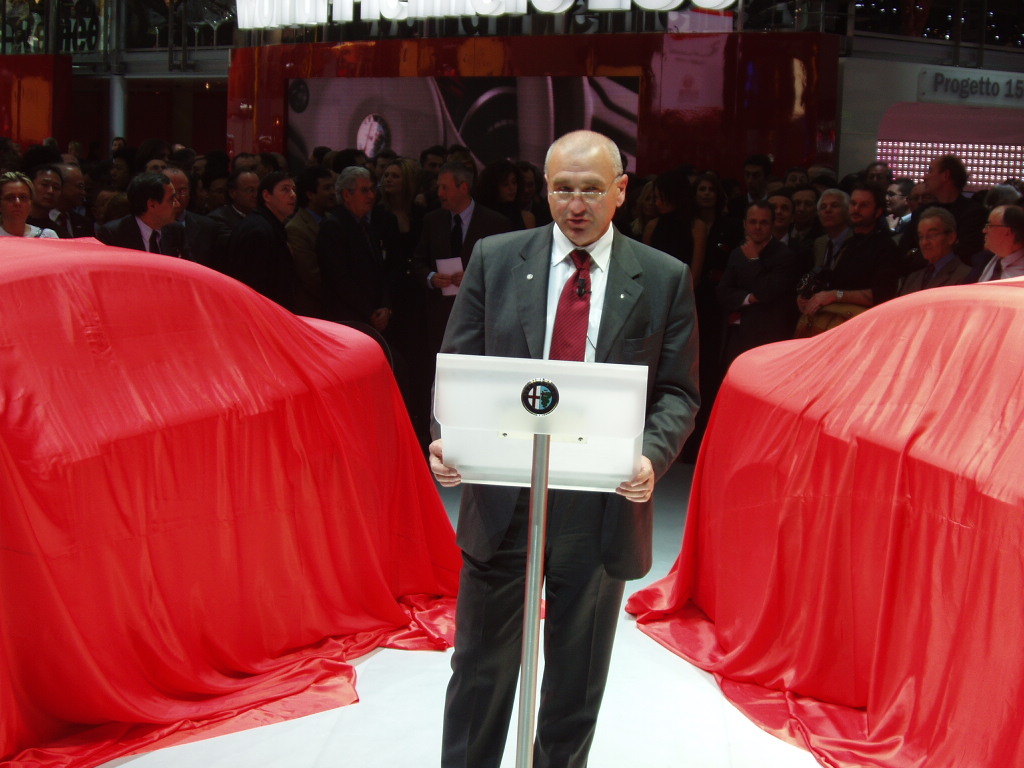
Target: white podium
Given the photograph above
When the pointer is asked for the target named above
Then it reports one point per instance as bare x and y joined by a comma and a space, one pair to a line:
545, 424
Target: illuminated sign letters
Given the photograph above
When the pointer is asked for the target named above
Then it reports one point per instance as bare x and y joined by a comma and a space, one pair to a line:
268, 14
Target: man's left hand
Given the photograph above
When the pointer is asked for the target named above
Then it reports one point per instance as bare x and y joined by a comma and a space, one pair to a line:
641, 486
819, 300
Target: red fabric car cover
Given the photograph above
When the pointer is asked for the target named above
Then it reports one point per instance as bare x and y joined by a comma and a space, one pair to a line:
208, 504
853, 563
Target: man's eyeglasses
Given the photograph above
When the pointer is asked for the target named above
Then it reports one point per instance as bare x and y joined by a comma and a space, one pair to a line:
13, 198
996, 226
589, 196
894, 194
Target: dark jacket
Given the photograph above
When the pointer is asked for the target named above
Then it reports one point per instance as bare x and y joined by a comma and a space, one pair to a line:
258, 255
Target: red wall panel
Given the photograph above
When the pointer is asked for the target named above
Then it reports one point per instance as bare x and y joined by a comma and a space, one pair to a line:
35, 97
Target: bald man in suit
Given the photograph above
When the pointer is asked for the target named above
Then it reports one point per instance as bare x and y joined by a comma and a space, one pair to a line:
641, 312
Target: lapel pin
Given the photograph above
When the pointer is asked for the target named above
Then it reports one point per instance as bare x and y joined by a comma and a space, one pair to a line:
529, 276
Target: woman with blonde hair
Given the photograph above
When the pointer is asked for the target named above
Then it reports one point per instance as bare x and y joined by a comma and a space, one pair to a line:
16, 192
644, 211
398, 195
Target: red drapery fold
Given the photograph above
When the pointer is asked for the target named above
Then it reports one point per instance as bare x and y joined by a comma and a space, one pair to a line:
852, 565
208, 505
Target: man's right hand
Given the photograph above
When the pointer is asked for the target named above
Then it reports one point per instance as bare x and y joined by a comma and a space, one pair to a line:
440, 280
447, 476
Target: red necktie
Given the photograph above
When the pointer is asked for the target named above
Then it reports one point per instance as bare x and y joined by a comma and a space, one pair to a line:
569, 337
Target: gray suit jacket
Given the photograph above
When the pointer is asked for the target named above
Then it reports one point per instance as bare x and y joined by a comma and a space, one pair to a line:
954, 272
648, 319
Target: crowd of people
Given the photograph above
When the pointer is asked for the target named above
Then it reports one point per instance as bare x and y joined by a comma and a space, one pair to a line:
381, 243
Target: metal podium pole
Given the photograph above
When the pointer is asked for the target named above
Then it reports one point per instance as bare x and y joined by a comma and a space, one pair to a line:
531, 614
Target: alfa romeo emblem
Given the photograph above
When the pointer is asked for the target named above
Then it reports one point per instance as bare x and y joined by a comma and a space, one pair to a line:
540, 397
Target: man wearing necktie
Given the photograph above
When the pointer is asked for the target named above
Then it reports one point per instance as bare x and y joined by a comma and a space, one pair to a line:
1004, 238
576, 288
936, 237
153, 205
68, 217
450, 232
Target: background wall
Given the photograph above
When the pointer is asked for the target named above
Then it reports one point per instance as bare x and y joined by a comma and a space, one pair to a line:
35, 96
708, 99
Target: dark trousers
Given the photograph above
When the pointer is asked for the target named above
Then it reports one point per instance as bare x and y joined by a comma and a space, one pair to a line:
582, 609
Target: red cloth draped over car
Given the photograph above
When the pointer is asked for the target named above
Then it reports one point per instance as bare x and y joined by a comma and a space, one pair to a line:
853, 562
208, 504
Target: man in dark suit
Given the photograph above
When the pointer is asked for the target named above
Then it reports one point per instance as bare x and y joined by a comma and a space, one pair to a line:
445, 237
351, 248
258, 252
152, 205
513, 295
203, 239
243, 197
47, 185
442, 238
758, 288
68, 217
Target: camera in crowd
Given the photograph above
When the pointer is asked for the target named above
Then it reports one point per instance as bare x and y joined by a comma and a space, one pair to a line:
813, 282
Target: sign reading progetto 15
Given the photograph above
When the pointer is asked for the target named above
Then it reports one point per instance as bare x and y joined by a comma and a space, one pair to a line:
268, 14
972, 87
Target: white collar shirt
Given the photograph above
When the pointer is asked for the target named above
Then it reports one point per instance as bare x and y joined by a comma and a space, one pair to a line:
1013, 266
465, 217
146, 231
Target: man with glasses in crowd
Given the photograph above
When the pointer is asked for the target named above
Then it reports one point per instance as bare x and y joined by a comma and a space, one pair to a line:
936, 235
632, 305
1004, 237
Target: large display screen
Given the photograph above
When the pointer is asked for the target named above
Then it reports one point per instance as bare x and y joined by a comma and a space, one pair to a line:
495, 117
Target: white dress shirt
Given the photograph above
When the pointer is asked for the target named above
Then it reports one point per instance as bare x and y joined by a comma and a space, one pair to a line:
1013, 266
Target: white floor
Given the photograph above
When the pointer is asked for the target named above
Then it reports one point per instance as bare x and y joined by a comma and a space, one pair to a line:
659, 711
